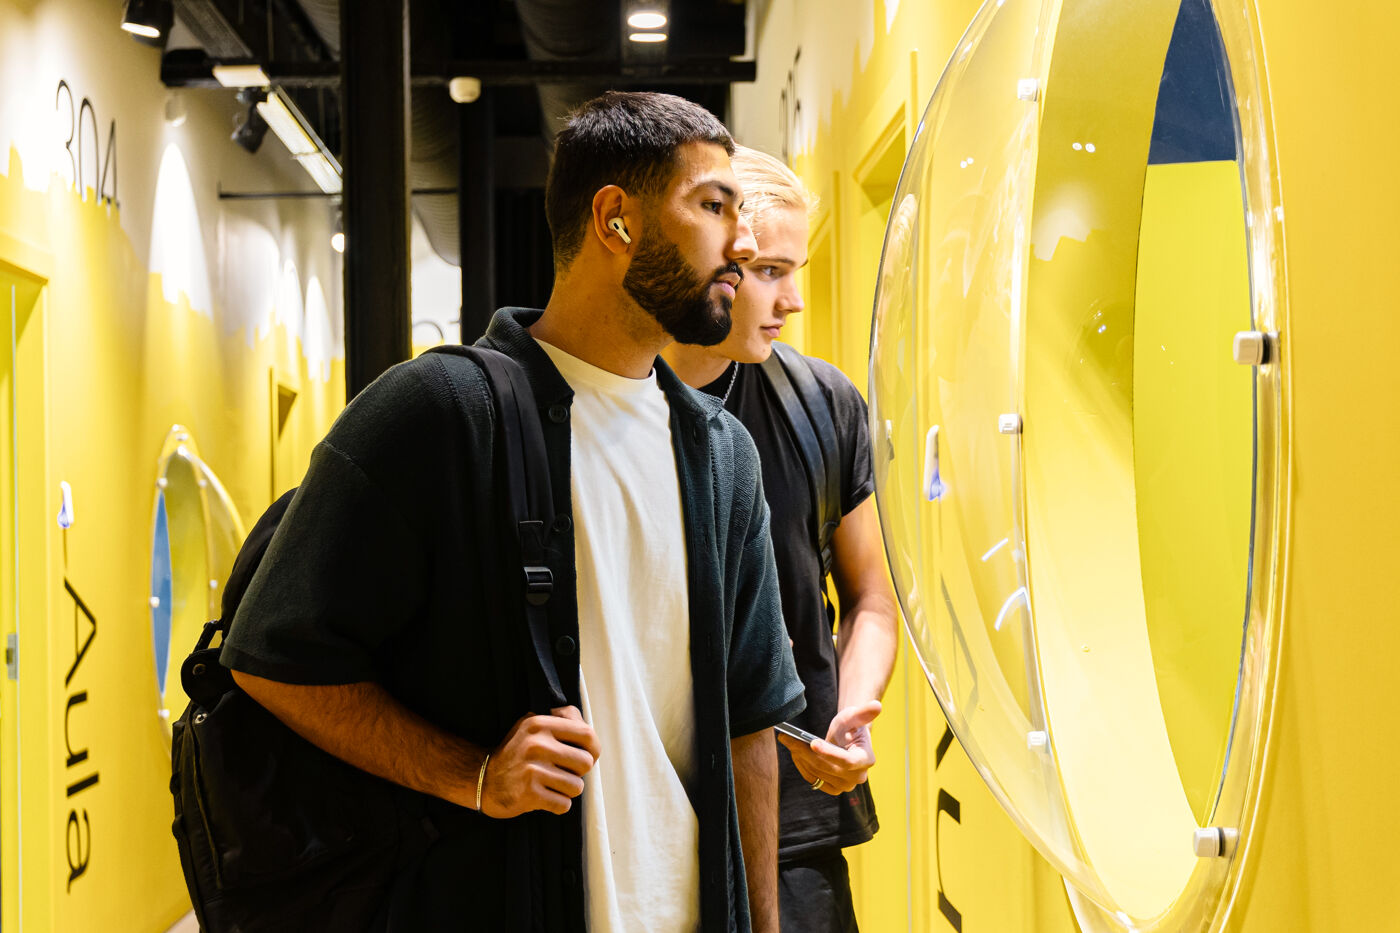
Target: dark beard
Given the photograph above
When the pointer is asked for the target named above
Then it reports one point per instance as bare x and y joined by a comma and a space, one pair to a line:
668, 288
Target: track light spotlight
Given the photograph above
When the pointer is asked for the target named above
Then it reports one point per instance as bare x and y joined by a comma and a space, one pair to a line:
249, 128
148, 21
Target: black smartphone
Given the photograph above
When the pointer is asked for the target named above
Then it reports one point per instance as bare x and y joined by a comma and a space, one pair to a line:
802, 735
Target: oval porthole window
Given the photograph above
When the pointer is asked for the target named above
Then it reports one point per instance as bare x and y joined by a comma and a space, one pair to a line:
1076, 397
195, 536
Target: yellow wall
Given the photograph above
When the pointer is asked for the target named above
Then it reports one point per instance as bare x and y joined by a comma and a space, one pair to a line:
171, 308
112, 367
1193, 455
1325, 859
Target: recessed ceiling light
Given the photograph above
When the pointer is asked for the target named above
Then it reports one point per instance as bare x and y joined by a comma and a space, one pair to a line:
648, 37
647, 19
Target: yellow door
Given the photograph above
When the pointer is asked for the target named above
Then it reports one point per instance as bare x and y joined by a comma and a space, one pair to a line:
21, 409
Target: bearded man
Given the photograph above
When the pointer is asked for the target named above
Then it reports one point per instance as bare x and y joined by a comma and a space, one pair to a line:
364, 628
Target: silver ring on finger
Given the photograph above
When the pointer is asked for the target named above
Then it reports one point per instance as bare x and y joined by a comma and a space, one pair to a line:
817, 784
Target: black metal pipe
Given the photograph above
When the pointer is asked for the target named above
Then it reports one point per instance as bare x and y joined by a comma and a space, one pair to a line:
374, 101
476, 214
180, 72
296, 195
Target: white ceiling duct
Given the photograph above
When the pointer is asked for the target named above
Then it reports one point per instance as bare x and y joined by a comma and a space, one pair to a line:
566, 29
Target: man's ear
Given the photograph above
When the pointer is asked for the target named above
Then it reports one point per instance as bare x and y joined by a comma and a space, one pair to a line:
616, 220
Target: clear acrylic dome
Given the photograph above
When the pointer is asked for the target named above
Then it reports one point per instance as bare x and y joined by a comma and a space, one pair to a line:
944, 371
1072, 470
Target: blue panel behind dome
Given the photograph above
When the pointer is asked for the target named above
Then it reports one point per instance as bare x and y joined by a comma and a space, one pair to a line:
162, 588
1195, 119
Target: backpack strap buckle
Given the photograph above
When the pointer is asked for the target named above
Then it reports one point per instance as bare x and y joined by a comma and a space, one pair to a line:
539, 584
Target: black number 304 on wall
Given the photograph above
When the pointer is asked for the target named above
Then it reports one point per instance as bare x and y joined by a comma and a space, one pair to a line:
104, 167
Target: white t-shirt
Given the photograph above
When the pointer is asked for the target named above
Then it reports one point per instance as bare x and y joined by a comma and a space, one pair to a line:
640, 832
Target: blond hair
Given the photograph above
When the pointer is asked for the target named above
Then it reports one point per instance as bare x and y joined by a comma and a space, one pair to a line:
768, 185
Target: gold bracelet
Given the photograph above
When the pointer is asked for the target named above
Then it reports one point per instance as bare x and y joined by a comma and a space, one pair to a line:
481, 780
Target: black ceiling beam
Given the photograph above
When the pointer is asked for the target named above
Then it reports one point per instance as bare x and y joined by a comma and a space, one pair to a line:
314, 195
180, 71
213, 27
253, 30
293, 19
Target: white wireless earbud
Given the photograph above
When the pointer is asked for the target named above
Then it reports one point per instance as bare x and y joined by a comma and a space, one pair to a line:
620, 228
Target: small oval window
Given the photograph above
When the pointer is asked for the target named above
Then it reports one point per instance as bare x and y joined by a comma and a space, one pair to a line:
195, 536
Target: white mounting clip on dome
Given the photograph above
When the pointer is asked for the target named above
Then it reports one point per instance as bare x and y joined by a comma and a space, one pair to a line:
1252, 348
1213, 842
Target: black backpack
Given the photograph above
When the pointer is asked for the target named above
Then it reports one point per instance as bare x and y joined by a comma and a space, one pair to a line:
807, 410
275, 834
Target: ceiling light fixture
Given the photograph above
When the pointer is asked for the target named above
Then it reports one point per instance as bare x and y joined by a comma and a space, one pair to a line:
249, 127
312, 155
648, 37
338, 236
241, 76
148, 21
647, 19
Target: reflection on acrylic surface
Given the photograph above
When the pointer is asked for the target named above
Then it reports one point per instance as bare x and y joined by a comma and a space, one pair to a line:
1064, 446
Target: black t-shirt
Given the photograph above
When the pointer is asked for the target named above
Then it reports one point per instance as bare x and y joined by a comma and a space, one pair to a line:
808, 820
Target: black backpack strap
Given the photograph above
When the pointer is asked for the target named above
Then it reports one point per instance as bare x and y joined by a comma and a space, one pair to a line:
250, 555
808, 412
531, 502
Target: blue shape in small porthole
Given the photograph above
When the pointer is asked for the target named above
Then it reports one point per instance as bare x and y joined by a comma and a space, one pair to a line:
162, 592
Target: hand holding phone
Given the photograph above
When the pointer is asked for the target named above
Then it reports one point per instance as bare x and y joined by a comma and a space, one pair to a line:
834, 767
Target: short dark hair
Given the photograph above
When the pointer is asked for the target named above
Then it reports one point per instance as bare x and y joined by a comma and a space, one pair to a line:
623, 138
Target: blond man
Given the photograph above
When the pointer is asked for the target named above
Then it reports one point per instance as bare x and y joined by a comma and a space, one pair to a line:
825, 802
